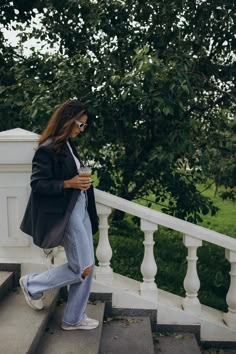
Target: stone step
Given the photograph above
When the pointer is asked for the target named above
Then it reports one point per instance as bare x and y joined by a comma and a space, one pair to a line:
6, 283
21, 327
57, 341
178, 343
127, 335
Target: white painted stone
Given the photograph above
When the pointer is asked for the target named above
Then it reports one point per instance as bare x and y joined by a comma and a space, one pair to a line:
191, 241
230, 255
171, 222
104, 252
191, 281
27, 268
11, 201
16, 153
230, 316
17, 146
59, 256
18, 134
148, 226
148, 288
169, 308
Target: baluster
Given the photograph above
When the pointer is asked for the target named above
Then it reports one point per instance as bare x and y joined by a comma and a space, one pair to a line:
148, 268
230, 317
59, 256
191, 281
104, 272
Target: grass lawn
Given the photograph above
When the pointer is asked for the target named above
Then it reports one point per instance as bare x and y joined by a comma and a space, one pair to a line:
225, 219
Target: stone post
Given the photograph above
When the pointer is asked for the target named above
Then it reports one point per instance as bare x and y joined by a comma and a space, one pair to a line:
16, 153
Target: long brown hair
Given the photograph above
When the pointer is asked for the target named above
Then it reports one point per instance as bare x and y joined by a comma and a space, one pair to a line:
61, 123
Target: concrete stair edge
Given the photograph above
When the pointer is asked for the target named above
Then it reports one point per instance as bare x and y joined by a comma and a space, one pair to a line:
6, 283
27, 324
158, 327
57, 341
15, 268
44, 323
125, 334
117, 311
11, 276
183, 343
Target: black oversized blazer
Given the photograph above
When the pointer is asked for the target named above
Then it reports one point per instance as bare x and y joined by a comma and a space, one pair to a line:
50, 204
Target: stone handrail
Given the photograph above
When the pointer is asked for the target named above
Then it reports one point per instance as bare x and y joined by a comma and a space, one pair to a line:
160, 218
17, 148
193, 235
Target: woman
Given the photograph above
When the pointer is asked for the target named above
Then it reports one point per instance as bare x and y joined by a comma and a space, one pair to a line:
61, 210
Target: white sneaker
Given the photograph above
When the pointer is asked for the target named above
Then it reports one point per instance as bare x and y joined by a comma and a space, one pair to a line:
87, 324
35, 304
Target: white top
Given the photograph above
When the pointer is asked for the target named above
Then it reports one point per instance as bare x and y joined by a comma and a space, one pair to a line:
75, 158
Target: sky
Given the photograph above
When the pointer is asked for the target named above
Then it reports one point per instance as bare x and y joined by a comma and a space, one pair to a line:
11, 36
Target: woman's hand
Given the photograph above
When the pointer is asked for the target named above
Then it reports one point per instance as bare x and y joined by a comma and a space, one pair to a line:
78, 182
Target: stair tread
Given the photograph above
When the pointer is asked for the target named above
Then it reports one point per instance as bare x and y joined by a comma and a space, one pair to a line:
57, 341
5, 276
21, 326
179, 343
6, 283
125, 334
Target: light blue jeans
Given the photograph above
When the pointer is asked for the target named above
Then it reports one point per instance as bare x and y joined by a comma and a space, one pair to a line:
78, 245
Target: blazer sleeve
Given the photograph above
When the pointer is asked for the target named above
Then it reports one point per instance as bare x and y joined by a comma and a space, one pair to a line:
92, 209
42, 179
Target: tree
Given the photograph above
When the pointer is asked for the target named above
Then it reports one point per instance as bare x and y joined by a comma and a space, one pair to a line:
219, 160
155, 73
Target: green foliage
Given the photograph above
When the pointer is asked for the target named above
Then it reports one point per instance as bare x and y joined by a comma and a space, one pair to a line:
155, 81
218, 161
224, 220
159, 76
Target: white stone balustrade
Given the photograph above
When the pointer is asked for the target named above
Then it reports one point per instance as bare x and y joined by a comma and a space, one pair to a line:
59, 256
230, 317
104, 252
191, 282
16, 152
148, 288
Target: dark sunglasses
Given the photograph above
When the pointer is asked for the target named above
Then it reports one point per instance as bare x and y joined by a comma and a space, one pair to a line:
81, 124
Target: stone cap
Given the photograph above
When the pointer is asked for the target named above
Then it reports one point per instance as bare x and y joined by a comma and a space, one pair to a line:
17, 146
18, 134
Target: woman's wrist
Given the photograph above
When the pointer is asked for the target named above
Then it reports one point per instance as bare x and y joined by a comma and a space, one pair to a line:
67, 184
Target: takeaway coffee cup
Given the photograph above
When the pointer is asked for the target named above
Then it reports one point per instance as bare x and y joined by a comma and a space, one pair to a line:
85, 171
